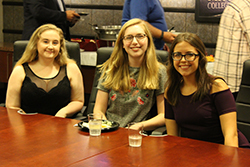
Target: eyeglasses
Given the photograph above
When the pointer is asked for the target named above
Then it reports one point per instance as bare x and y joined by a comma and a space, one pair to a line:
130, 38
177, 56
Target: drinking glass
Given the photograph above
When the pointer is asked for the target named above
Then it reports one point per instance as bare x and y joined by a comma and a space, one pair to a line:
95, 124
134, 136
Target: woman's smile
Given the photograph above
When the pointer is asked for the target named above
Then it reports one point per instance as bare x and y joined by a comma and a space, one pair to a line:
135, 48
184, 67
50, 51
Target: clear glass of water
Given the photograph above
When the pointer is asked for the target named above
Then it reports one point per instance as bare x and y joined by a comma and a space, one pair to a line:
134, 136
95, 124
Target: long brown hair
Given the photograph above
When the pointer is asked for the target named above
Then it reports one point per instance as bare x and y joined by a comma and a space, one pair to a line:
175, 79
115, 70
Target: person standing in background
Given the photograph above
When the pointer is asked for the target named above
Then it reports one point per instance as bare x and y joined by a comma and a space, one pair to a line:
39, 12
152, 13
233, 43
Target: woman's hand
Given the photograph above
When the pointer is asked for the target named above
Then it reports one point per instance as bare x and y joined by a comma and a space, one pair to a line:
137, 126
169, 37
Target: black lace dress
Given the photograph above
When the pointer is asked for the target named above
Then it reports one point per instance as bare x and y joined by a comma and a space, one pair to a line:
45, 95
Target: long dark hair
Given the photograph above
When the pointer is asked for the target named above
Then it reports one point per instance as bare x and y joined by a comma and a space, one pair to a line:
175, 79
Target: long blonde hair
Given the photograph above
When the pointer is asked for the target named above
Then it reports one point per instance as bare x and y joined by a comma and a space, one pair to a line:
115, 71
31, 54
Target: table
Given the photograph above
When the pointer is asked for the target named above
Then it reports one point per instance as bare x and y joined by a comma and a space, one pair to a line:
43, 140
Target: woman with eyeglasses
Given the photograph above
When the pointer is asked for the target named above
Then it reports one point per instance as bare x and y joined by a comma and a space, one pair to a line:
132, 79
198, 105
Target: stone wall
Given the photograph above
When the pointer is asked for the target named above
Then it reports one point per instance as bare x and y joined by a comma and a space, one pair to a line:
182, 21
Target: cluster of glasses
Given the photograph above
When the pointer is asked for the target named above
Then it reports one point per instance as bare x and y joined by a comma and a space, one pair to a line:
130, 38
177, 56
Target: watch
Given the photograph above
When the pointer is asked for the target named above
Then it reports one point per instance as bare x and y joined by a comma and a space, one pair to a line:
162, 33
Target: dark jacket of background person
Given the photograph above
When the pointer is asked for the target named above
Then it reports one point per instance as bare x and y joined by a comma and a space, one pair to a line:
39, 12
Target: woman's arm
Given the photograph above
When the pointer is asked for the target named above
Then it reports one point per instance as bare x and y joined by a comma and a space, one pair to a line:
13, 99
229, 129
156, 121
228, 121
101, 103
156, 33
172, 127
77, 92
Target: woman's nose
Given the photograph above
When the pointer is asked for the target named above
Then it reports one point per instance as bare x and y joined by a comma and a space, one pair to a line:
50, 45
134, 40
183, 58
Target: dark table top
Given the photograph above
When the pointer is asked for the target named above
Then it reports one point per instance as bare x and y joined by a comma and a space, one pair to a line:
43, 140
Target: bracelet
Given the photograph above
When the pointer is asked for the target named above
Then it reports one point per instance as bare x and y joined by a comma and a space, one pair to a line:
162, 33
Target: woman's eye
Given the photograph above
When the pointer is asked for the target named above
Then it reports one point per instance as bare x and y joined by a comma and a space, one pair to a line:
139, 36
190, 55
129, 37
177, 55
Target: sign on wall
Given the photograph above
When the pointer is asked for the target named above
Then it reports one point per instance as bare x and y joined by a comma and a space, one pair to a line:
209, 10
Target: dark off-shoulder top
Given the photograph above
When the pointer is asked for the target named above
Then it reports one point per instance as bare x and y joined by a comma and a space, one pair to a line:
200, 120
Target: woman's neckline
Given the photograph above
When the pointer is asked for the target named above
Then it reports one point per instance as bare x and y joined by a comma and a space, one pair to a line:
49, 78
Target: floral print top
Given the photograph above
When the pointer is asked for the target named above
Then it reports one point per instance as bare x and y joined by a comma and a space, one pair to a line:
134, 105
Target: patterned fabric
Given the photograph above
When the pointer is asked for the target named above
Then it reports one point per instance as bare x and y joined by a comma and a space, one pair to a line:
135, 105
233, 43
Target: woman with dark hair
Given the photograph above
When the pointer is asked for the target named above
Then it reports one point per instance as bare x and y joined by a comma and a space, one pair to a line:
198, 105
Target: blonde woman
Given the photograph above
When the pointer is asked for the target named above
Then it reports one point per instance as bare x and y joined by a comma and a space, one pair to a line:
45, 80
132, 79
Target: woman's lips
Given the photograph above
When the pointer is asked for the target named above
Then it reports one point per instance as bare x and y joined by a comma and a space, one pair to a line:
184, 66
49, 51
135, 48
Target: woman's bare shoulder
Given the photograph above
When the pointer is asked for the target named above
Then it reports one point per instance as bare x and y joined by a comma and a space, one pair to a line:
72, 65
219, 85
73, 70
18, 67
18, 70
18, 74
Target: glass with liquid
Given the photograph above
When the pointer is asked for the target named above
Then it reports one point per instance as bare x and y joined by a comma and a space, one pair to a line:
95, 124
134, 136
